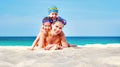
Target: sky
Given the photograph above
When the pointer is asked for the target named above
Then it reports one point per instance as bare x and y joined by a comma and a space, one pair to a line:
84, 17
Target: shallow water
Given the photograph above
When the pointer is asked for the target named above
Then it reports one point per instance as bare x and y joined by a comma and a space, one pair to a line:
27, 41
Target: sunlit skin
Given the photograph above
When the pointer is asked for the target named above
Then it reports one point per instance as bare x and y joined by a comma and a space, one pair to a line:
47, 26
57, 28
54, 15
54, 38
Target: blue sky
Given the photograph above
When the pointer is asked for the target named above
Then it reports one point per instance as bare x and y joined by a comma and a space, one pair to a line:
84, 17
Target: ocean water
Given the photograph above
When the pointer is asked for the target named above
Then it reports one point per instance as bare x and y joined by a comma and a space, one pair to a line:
80, 41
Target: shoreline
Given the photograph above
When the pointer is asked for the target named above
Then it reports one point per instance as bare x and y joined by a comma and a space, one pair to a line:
87, 56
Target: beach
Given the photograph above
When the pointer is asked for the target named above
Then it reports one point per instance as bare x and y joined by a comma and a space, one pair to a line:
82, 56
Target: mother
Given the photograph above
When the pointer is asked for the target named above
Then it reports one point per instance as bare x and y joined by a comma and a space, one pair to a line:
54, 39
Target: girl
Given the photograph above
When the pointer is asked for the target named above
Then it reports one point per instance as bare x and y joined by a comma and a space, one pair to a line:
46, 27
52, 17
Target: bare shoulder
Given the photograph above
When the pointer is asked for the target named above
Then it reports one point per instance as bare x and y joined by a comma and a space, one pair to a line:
43, 32
62, 33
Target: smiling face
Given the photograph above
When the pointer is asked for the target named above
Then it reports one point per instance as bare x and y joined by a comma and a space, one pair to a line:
54, 15
47, 26
57, 28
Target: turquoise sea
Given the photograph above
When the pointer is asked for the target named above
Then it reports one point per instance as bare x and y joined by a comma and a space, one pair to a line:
81, 41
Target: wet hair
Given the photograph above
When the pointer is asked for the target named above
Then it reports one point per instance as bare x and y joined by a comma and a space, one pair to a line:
62, 20
47, 19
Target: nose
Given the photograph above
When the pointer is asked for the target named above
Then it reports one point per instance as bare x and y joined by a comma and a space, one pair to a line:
47, 27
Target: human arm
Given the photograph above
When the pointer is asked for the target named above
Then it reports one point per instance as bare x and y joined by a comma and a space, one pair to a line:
41, 42
35, 43
64, 43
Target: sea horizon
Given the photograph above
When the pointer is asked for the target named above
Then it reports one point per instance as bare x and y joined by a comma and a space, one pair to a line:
73, 40
65, 36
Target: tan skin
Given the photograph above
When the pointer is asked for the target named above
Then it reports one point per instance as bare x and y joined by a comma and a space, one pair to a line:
55, 39
53, 15
45, 28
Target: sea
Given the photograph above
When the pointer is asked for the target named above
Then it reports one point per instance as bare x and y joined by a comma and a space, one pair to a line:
79, 41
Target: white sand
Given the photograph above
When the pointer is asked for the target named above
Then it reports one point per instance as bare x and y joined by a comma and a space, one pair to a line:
88, 56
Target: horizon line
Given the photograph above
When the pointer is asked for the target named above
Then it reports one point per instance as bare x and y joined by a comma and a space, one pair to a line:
65, 36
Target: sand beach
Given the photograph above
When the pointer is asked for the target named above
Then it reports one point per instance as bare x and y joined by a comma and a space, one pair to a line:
87, 56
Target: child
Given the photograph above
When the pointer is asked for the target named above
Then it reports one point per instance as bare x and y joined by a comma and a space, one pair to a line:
46, 27
53, 13
53, 16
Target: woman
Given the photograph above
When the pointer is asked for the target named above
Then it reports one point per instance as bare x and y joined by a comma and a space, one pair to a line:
53, 16
54, 39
